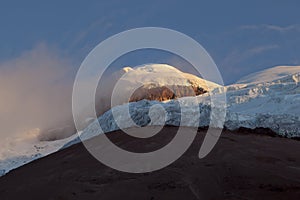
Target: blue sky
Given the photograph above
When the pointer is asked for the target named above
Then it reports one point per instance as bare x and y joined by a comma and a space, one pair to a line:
241, 36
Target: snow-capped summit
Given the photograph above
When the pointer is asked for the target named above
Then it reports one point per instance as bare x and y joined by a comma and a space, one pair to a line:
271, 74
163, 74
159, 82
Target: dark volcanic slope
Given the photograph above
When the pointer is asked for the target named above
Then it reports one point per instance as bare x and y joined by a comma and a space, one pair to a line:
241, 166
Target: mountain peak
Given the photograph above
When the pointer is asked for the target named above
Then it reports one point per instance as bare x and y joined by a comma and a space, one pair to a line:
270, 74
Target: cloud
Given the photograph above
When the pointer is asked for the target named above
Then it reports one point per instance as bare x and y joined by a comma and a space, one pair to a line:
237, 56
35, 91
270, 27
103, 23
260, 49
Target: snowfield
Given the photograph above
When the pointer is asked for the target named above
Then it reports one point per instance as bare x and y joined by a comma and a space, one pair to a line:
273, 104
26, 147
267, 99
269, 75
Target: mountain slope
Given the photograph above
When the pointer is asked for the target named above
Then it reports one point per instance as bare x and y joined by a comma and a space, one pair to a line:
273, 105
241, 166
270, 74
25, 148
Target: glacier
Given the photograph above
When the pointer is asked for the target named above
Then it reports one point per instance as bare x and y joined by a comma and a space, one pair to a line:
274, 105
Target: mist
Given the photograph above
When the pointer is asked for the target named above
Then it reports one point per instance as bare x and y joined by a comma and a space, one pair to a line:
35, 92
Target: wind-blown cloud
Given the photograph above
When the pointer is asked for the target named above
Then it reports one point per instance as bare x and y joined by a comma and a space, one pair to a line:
270, 27
35, 91
237, 56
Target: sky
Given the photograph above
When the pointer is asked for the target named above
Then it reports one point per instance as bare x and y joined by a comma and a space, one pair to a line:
42, 44
242, 37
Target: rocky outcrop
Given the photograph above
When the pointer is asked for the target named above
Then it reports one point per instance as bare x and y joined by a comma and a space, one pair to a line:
164, 93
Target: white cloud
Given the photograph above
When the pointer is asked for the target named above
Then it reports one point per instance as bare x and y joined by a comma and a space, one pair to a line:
270, 27
237, 56
35, 91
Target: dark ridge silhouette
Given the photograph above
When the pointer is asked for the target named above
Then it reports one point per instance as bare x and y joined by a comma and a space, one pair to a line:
241, 166
257, 131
